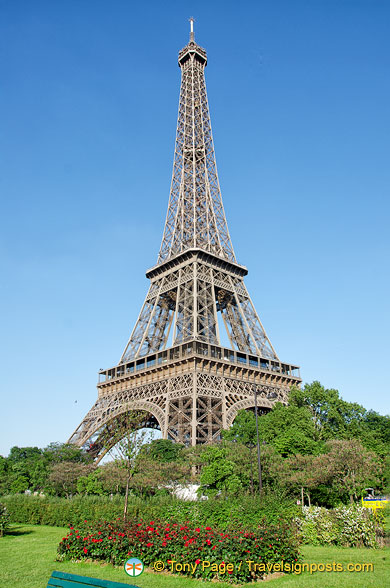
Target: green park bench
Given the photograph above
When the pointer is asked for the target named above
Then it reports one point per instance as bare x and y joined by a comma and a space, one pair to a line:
61, 580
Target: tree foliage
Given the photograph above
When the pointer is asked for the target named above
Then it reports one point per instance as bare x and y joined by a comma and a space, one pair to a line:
218, 473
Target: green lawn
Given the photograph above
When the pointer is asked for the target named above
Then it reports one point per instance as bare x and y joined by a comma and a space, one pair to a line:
27, 558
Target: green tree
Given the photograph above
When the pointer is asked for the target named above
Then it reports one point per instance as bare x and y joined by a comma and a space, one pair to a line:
289, 429
64, 476
26, 469
18, 483
90, 484
333, 418
243, 431
295, 474
113, 477
130, 437
21, 454
163, 450
151, 476
57, 452
219, 473
4, 476
349, 468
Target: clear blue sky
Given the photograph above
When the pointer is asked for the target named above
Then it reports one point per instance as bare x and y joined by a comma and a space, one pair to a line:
299, 96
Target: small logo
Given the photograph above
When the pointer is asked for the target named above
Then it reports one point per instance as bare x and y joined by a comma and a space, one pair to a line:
134, 567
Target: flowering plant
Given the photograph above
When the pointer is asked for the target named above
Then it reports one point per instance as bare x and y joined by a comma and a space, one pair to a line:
4, 520
171, 542
351, 526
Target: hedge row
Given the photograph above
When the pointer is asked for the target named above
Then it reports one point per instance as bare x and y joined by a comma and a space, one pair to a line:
244, 513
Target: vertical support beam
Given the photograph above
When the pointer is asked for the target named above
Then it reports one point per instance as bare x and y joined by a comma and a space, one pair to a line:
215, 307
167, 398
194, 407
195, 302
224, 421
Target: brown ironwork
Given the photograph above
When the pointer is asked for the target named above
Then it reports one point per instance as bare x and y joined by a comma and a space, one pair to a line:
174, 366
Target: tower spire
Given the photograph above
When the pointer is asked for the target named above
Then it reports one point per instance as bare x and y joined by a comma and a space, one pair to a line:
192, 34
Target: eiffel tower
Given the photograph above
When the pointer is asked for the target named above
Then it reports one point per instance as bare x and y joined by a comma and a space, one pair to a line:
174, 367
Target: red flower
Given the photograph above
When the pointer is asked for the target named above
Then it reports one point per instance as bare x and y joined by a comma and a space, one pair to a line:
197, 530
85, 550
208, 528
149, 544
197, 561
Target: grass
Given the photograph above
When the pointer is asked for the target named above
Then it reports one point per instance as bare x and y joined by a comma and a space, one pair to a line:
27, 557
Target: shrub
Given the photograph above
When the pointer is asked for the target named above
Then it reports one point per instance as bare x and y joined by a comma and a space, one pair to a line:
245, 512
43, 510
351, 526
157, 540
4, 520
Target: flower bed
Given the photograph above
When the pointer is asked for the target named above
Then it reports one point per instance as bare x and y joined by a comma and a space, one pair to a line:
170, 542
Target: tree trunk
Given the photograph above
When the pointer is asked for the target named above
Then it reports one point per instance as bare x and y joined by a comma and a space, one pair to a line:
126, 498
308, 497
302, 496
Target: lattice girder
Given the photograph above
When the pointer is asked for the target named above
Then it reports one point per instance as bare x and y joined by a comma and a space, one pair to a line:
195, 217
189, 407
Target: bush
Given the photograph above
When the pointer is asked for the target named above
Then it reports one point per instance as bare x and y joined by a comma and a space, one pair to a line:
37, 510
245, 511
350, 526
4, 520
116, 542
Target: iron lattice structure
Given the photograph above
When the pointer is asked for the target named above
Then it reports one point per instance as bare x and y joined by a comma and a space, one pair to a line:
174, 367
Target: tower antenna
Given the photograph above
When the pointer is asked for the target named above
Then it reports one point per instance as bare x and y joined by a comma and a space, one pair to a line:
192, 35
